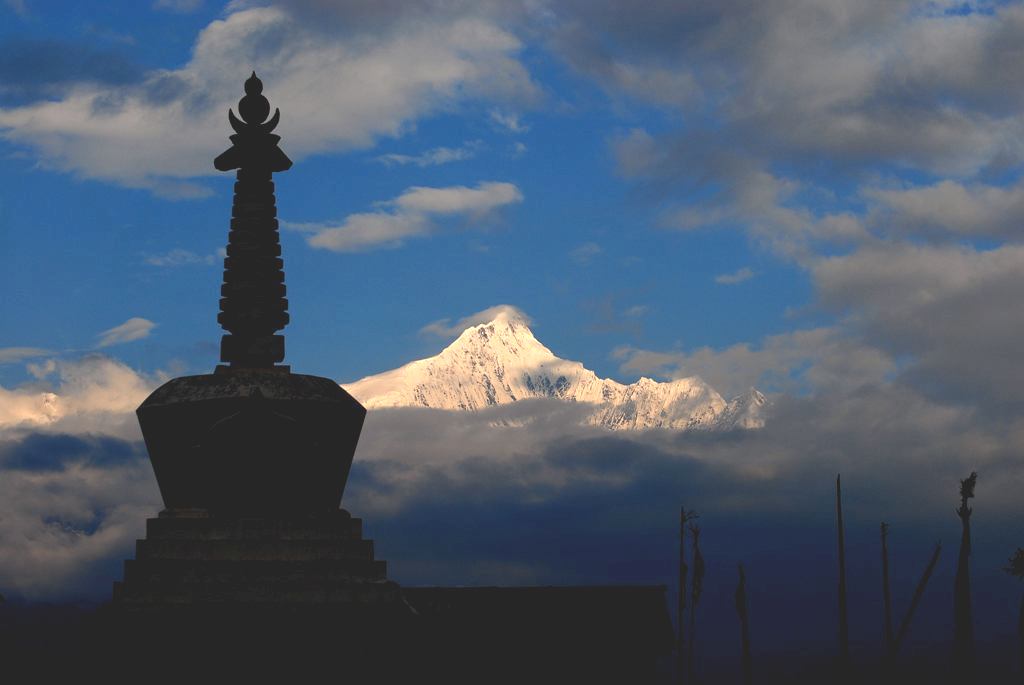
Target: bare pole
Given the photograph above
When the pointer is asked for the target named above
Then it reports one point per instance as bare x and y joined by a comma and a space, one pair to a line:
844, 631
695, 591
886, 596
684, 517
1020, 637
741, 609
963, 629
681, 608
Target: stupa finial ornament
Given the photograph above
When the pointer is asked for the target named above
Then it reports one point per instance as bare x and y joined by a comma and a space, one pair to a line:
254, 144
253, 305
254, 108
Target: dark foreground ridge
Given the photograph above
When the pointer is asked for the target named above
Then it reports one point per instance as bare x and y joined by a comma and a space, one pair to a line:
447, 635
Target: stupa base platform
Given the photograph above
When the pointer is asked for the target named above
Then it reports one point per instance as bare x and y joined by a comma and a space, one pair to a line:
192, 559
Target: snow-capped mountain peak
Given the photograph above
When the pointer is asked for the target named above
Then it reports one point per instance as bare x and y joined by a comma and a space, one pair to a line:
500, 361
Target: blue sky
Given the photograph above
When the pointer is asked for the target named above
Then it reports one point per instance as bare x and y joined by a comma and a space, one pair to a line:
585, 252
820, 198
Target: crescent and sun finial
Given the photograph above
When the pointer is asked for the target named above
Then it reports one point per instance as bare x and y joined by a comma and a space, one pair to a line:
254, 108
253, 146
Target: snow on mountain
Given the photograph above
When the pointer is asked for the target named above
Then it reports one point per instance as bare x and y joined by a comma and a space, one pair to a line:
500, 361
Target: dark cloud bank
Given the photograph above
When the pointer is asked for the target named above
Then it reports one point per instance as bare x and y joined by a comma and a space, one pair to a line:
520, 495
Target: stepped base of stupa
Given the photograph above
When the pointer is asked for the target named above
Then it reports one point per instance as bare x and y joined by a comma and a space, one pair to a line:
192, 559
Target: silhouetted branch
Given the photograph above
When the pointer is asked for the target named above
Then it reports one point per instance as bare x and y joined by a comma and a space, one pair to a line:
918, 593
1015, 566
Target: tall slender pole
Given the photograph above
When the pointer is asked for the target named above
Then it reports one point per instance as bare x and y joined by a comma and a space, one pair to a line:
886, 596
695, 591
844, 631
681, 609
741, 609
1020, 638
963, 628
681, 665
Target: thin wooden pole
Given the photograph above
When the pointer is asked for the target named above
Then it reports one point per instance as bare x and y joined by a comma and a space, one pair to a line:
844, 631
741, 609
1020, 637
696, 588
886, 595
681, 608
963, 628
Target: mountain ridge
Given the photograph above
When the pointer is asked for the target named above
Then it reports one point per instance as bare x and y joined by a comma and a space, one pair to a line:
500, 361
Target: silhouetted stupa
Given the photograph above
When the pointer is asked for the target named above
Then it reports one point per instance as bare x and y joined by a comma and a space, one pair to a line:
252, 459
253, 569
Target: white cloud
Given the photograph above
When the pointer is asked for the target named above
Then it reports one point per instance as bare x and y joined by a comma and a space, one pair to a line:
435, 156
367, 231
94, 394
636, 152
876, 91
10, 355
801, 362
585, 253
742, 274
484, 198
952, 208
508, 121
179, 6
135, 328
61, 525
444, 328
953, 311
412, 214
900, 82
648, 362
43, 369
337, 90
746, 194
180, 257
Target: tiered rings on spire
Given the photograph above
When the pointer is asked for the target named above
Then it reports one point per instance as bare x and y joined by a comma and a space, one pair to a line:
253, 305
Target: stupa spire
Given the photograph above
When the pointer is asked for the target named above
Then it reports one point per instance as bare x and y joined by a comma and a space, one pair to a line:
253, 305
